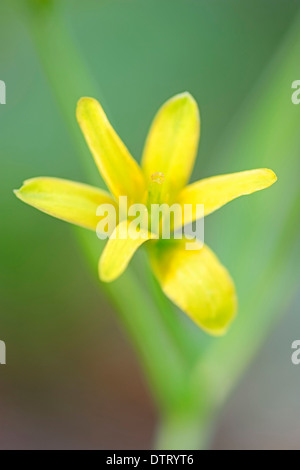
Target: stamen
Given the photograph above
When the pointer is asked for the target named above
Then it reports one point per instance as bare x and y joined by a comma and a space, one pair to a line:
154, 199
155, 188
158, 177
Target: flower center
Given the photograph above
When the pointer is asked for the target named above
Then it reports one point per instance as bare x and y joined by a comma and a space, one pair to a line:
158, 178
155, 189
155, 198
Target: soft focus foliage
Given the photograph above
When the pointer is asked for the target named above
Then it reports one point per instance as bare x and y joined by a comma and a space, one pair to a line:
238, 61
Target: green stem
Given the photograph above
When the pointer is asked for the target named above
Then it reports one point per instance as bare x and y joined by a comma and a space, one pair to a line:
187, 432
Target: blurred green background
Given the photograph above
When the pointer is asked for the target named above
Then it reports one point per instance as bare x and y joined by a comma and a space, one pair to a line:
71, 379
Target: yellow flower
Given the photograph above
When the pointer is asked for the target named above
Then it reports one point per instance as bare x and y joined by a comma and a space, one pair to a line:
194, 280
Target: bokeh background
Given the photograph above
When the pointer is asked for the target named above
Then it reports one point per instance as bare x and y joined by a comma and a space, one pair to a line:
72, 379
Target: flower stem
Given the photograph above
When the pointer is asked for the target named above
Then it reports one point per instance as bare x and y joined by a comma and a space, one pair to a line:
183, 433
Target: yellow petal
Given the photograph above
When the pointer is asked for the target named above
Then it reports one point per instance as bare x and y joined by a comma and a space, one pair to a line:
219, 190
171, 145
72, 202
197, 282
119, 170
119, 250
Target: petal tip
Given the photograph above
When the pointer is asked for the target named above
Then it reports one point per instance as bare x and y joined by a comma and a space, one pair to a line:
85, 99
223, 327
185, 97
272, 175
19, 192
215, 333
104, 275
82, 104
268, 177
223, 330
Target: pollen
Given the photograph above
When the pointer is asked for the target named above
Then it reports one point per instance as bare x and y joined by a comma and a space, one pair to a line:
158, 177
